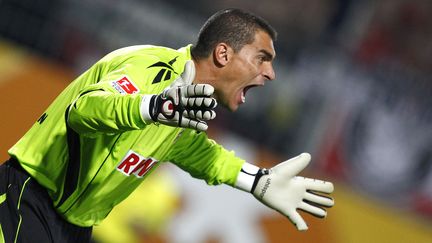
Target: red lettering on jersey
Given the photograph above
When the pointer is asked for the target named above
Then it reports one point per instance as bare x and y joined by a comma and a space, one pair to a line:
124, 85
144, 166
133, 163
128, 162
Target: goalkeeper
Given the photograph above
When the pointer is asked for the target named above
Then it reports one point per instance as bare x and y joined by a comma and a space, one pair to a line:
134, 109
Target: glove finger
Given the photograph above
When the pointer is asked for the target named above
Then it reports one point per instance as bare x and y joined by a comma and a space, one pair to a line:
200, 102
188, 74
319, 185
169, 120
206, 115
293, 166
194, 124
201, 114
318, 199
197, 90
210, 102
311, 209
297, 220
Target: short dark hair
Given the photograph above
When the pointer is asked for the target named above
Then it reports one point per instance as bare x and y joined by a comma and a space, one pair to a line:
233, 26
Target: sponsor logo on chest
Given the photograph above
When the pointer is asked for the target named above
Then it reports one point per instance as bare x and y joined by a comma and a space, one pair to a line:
135, 164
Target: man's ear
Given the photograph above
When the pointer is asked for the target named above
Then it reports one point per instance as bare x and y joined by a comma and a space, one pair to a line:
222, 54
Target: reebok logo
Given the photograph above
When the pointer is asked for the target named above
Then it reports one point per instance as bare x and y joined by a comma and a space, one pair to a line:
135, 164
165, 72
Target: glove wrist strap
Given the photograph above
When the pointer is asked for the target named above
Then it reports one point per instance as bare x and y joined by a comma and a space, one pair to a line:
147, 107
248, 177
260, 173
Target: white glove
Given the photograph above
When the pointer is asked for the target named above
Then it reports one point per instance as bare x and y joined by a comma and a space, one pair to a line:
183, 104
280, 189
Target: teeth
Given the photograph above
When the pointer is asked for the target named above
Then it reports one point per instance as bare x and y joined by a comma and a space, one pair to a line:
243, 98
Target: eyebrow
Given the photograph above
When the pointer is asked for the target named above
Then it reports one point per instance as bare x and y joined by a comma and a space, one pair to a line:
268, 55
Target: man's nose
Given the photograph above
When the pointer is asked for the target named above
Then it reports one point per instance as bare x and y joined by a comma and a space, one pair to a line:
269, 72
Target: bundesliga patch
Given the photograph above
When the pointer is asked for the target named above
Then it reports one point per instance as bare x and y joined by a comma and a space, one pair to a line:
125, 86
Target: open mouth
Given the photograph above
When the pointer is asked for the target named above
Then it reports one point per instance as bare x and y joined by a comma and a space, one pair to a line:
245, 90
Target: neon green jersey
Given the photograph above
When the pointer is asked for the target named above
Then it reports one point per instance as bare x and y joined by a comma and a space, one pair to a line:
91, 148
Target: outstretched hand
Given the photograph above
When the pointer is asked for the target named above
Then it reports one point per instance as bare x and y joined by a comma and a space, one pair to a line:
281, 189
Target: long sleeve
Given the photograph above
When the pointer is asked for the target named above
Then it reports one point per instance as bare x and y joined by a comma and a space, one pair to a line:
102, 111
204, 159
112, 103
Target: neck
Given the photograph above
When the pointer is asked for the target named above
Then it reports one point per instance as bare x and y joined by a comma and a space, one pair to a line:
206, 72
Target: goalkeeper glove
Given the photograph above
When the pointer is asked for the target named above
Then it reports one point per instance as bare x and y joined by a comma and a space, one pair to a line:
183, 104
279, 188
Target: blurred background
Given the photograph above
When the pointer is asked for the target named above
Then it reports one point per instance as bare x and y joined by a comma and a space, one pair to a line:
353, 88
